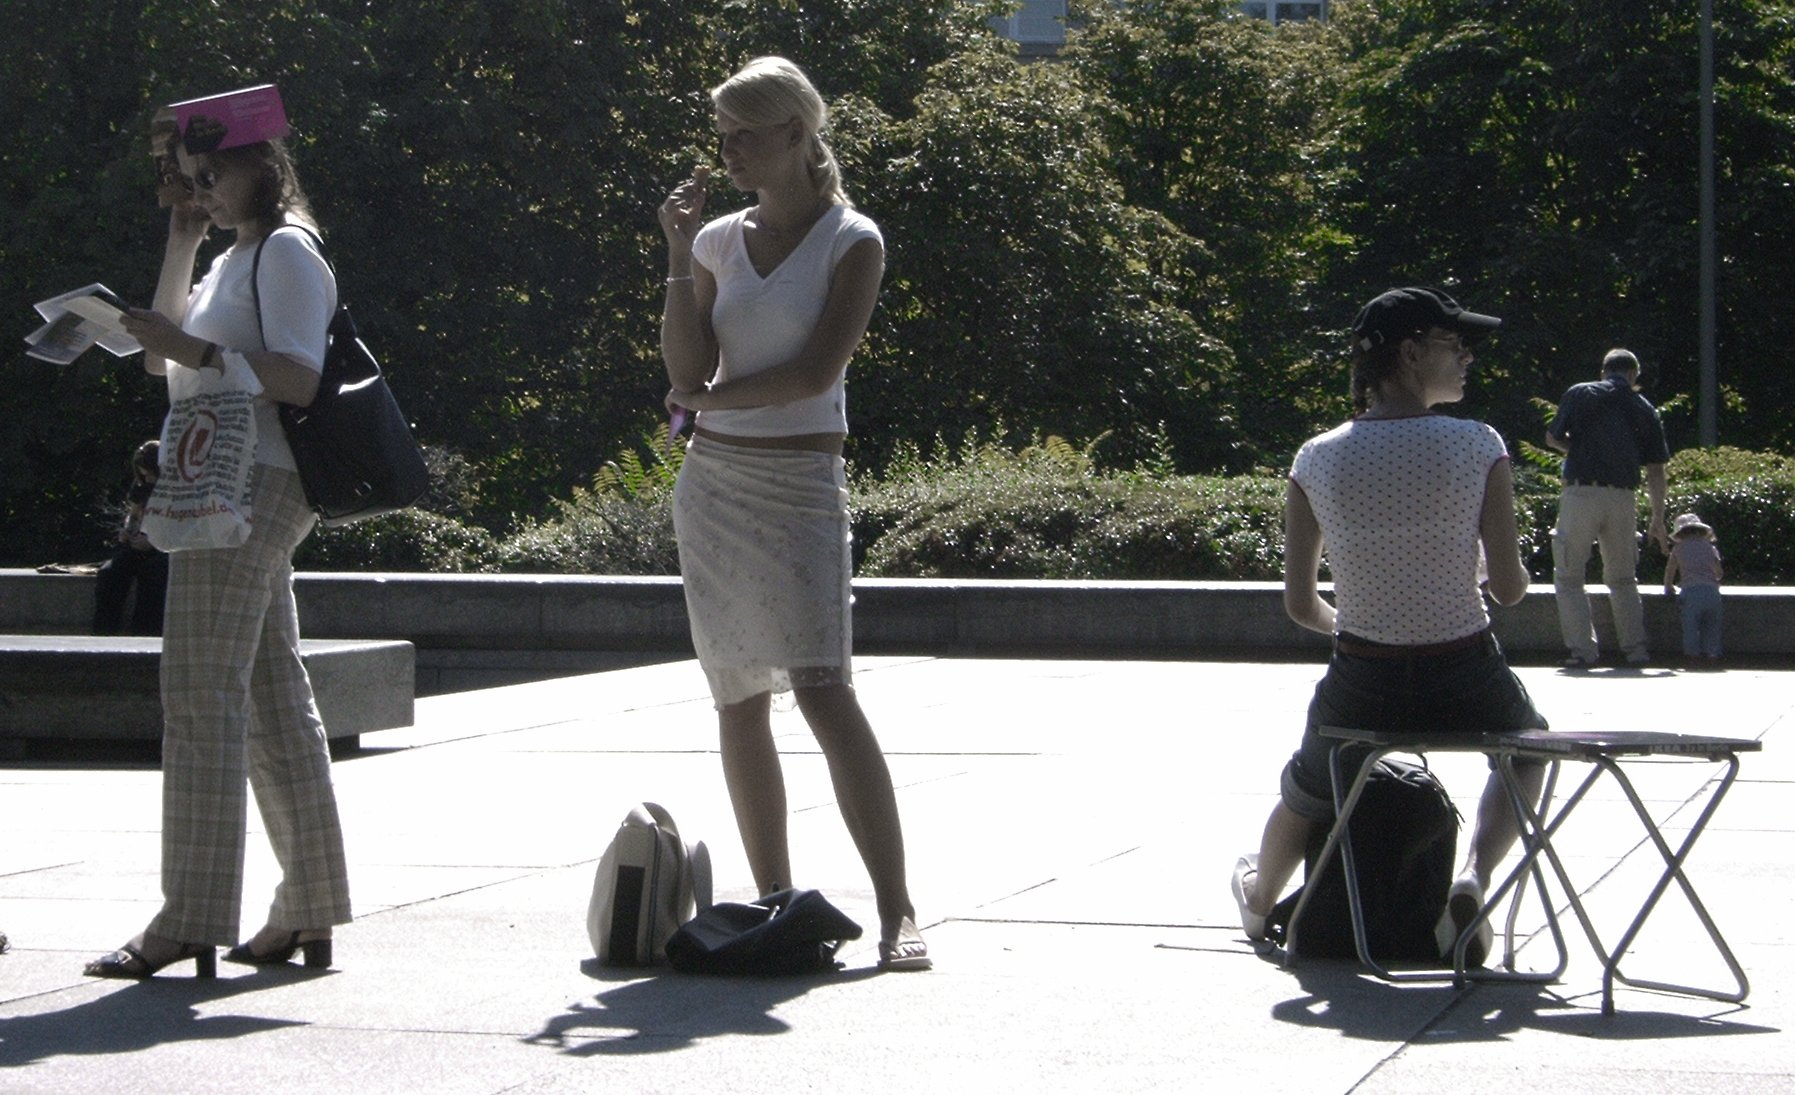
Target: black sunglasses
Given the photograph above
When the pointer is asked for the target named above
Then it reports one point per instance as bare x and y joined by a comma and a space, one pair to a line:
203, 179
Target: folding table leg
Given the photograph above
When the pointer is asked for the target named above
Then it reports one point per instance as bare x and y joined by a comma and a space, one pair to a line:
1673, 869
1611, 959
1541, 832
1527, 844
1534, 840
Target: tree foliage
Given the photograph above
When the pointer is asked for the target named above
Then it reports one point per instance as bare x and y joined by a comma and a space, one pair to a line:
1213, 120
1159, 237
1545, 168
1020, 284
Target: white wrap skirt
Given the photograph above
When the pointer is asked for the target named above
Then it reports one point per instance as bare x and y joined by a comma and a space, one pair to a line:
765, 561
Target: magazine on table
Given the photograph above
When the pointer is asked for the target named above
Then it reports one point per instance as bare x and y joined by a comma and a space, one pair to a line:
76, 320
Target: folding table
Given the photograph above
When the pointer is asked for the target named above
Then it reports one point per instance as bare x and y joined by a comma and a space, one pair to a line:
1603, 751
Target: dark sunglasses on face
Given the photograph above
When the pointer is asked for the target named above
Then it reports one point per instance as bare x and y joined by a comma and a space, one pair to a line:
203, 179
1456, 343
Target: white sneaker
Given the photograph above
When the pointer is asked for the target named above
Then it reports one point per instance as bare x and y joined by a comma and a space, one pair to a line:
1463, 902
1250, 922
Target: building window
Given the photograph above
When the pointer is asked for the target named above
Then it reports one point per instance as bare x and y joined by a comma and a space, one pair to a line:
1039, 26
1286, 11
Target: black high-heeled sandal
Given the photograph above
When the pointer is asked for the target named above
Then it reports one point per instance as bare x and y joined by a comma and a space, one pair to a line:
128, 963
316, 953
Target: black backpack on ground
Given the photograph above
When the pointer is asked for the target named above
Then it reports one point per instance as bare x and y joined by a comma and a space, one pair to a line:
1404, 837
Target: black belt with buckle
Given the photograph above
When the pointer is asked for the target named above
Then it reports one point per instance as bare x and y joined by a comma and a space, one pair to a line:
1593, 483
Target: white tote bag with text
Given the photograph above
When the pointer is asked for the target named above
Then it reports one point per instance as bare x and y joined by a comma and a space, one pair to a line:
203, 495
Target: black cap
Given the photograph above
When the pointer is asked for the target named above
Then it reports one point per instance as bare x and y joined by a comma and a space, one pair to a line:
1404, 313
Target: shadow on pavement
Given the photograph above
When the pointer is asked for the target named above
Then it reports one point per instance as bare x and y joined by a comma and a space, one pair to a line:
137, 1017
671, 1011
1338, 996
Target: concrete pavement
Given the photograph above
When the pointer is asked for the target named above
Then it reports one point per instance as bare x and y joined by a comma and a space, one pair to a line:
1071, 825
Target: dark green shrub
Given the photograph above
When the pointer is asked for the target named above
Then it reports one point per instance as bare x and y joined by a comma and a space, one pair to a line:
1699, 467
1536, 512
1749, 500
623, 525
409, 540
437, 534
598, 532
1044, 510
1048, 512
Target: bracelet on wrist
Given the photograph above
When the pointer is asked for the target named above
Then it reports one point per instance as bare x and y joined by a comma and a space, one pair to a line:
675, 281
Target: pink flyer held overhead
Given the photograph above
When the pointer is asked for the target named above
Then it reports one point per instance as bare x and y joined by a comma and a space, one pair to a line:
232, 119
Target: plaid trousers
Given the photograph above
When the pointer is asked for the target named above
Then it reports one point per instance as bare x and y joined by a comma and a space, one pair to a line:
237, 705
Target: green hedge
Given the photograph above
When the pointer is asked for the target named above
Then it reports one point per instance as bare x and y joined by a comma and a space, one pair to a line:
410, 540
1040, 521
1749, 500
1047, 510
599, 532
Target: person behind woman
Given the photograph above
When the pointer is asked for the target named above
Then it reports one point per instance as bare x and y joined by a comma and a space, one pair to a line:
763, 310
236, 700
1409, 506
135, 561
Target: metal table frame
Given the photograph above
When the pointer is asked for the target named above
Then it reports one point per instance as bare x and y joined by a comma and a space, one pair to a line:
1603, 751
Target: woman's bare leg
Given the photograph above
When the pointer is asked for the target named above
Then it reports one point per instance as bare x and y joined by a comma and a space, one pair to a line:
862, 782
1280, 853
756, 789
1496, 829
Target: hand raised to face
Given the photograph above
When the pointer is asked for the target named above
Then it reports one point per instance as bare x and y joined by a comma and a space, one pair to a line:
682, 214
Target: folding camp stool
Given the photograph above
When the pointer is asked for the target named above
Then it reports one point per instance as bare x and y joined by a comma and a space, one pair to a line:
1603, 751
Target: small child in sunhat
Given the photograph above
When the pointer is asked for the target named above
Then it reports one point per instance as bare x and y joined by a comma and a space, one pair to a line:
1695, 560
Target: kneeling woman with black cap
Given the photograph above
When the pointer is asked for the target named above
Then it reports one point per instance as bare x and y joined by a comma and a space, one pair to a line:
1413, 508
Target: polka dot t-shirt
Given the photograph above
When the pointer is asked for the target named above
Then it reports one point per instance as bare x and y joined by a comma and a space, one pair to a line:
1399, 502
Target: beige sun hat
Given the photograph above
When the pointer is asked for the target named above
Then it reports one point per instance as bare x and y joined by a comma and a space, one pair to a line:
1688, 522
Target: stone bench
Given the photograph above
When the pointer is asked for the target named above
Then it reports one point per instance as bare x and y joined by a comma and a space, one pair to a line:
102, 688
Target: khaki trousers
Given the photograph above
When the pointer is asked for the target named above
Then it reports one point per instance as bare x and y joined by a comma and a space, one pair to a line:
1608, 518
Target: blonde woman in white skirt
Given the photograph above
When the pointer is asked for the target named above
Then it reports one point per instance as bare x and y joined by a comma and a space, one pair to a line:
764, 308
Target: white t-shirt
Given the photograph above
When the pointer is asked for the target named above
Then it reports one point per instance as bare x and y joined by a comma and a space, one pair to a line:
1400, 504
299, 297
760, 322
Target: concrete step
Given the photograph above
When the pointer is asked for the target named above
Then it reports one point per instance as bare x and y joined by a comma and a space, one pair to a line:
106, 688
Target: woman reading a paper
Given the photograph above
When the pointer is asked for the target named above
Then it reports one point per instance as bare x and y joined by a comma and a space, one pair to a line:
237, 704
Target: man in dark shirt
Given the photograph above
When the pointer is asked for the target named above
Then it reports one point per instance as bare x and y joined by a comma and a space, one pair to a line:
1609, 434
